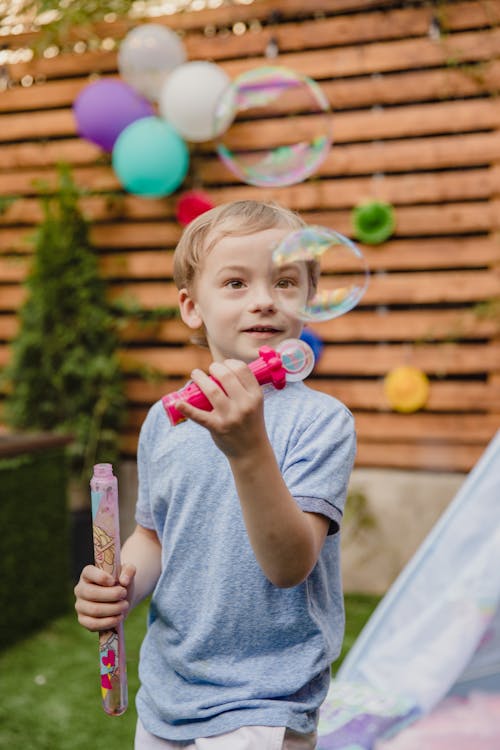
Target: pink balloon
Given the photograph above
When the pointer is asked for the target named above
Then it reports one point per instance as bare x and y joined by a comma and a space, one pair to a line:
104, 108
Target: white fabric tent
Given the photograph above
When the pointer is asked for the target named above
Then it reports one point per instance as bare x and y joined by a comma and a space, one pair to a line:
437, 630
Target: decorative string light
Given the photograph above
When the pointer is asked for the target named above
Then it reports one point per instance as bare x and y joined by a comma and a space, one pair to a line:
16, 20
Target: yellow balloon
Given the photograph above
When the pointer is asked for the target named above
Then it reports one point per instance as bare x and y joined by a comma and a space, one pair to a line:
406, 389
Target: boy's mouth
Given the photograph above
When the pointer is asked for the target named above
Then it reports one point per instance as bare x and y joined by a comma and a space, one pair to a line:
262, 329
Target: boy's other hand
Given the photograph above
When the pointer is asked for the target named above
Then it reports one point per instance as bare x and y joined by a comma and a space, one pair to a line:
101, 603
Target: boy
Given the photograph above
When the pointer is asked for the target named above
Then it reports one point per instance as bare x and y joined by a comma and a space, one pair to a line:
237, 514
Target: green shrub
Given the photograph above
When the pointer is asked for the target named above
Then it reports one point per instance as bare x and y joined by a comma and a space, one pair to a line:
64, 373
34, 543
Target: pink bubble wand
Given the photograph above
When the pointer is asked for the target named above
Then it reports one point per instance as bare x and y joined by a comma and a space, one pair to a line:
106, 532
292, 360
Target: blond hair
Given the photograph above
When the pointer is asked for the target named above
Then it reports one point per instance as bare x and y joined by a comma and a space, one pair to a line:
235, 219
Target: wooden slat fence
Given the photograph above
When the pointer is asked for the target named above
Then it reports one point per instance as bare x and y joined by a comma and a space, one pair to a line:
416, 123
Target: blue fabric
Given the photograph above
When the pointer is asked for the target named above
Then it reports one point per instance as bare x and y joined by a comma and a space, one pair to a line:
225, 647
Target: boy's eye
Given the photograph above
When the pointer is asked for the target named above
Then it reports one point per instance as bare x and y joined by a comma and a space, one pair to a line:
286, 283
234, 284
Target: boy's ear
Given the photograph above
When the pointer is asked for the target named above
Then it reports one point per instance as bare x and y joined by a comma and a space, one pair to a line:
189, 310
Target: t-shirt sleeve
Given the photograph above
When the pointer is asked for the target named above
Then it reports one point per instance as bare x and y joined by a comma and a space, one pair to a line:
318, 465
143, 513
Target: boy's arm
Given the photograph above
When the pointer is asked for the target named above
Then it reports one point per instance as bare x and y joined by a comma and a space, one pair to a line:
286, 540
141, 551
100, 602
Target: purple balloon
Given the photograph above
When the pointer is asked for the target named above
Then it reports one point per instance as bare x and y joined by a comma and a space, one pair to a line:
104, 108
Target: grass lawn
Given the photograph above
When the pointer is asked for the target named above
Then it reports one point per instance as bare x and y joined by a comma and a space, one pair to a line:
49, 685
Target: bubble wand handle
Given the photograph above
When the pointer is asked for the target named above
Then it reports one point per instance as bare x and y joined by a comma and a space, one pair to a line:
106, 533
272, 366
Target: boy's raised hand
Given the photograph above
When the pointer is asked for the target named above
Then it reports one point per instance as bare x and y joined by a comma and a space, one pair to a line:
101, 604
236, 422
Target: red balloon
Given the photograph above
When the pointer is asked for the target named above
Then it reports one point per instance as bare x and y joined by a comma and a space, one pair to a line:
192, 204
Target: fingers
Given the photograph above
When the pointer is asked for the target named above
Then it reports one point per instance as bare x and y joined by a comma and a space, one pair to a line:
93, 574
101, 617
127, 574
231, 379
233, 392
100, 602
233, 373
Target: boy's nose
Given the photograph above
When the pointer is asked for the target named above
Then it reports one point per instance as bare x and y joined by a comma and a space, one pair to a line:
263, 300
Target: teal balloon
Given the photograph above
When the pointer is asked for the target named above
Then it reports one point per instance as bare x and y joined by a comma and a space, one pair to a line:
150, 158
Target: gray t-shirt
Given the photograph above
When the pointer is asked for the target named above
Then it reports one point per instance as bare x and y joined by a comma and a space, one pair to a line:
225, 647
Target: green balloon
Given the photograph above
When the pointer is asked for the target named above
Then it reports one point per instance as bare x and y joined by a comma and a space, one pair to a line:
150, 158
373, 222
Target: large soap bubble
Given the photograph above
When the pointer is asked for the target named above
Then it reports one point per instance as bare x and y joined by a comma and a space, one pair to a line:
282, 151
335, 264
147, 55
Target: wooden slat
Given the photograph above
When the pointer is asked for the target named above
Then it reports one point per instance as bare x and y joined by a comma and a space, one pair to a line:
425, 187
443, 397
339, 32
408, 121
141, 391
406, 455
343, 359
167, 361
387, 88
382, 57
429, 153
422, 221
222, 17
422, 119
95, 208
11, 297
13, 269
9, 326
412, 221
48, 153
4, 355
408, 325
443, 360
432, 287
428, 428
473, 184
396, 189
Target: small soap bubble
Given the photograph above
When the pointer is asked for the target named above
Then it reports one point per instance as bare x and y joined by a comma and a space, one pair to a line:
297, 359
336, 265
283, 155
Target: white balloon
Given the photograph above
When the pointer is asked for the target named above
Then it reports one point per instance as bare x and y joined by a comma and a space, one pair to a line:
189, 97
147, 55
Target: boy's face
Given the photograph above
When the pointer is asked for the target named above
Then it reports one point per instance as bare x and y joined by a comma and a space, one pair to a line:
241, 298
